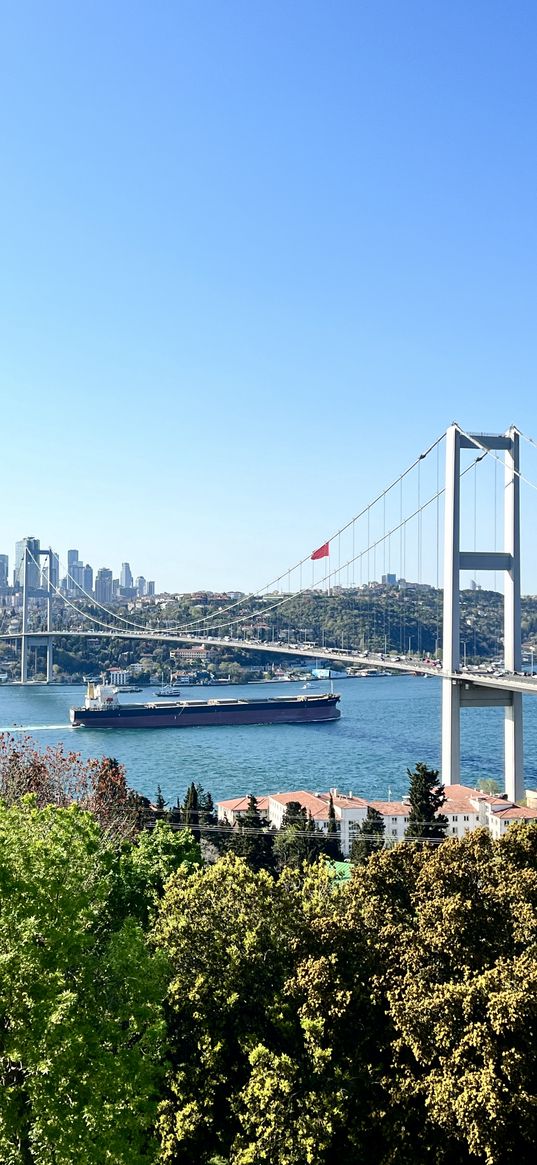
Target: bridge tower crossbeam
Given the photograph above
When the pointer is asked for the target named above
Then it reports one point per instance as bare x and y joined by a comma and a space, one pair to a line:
457, 691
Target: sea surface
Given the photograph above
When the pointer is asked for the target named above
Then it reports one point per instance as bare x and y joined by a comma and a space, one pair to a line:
387, 724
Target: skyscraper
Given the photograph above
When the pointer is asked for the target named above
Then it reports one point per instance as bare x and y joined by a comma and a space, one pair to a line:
33, 566
88, 579
72, 560
140, 585
150, 587
55, 570
76, 572
4, 570
103, 585
125, 579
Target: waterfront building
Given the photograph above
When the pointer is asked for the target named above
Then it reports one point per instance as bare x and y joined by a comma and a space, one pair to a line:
465, 809
229, 812
103, 585
119, 677
33, 567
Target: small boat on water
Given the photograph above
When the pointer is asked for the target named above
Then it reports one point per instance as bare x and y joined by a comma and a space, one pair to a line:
102, 709
169, 690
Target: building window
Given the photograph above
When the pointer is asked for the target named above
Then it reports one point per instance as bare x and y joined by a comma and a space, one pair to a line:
455, 818
394, 820
466, 818
454, 829
405, 819
394, 833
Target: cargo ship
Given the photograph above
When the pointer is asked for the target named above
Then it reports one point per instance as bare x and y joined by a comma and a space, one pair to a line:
102, 709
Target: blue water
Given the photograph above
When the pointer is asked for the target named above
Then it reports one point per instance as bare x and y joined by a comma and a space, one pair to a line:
387, 724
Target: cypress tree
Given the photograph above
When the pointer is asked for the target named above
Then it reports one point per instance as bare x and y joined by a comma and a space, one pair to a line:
426, 796
333, 847
191, 810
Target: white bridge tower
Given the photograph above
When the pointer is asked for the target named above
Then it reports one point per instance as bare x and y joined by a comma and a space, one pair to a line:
457, 690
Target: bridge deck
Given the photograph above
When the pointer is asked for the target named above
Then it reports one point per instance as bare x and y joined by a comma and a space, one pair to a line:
512, 683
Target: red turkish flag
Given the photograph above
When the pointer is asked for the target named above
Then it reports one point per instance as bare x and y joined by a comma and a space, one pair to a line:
322, 552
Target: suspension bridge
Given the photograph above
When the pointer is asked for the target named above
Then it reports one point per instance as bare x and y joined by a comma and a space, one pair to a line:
468, 482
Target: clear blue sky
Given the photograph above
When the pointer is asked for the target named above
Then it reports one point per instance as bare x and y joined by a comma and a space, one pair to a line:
254, 257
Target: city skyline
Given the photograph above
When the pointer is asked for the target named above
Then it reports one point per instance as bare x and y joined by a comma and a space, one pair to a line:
70, 575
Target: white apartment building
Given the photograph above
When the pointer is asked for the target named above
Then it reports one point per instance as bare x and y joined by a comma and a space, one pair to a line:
465, 808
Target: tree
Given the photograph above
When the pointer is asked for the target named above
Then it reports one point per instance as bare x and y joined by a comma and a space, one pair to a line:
160, 800
56, 777
426, 797
333, 847
191, 810
488, 785
369, 837
146, 863
82, 1033
252, 840
270, 985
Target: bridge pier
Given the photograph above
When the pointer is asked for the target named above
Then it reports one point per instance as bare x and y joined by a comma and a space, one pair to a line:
24, 640
459, 692
451, 731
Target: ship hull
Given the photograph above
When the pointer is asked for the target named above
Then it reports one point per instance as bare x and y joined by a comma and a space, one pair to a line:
211, 713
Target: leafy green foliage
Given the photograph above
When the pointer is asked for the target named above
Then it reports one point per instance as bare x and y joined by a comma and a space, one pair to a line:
257, 1008
146, 863
81, 1021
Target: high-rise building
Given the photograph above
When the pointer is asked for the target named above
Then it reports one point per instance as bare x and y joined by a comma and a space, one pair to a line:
4, 570
103, 585
150, 587
55, 570
76, 573
33, 566
140, 585
72, 560
88, 579
125, 579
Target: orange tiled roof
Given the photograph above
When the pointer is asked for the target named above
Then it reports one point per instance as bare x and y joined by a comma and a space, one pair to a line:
312, 804
390, 808
516, 812
461, 792
343, 802
240, 804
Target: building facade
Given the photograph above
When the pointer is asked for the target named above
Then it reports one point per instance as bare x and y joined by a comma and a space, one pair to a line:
465, 809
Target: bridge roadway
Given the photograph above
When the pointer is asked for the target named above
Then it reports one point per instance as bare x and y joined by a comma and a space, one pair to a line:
509, 683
